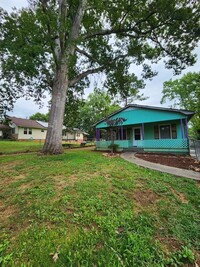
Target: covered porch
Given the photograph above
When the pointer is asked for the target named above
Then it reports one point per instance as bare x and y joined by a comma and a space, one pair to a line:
164, 137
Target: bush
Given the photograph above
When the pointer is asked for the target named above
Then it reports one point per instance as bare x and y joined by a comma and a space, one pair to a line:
113, 147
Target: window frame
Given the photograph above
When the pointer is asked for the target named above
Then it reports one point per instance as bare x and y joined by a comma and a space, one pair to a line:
170, 130
25, 131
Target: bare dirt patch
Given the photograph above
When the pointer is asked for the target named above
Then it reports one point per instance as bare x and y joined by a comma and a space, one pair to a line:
170, 243
8, 180
178, 161
61, 181
7, 212
24, 186
145, 198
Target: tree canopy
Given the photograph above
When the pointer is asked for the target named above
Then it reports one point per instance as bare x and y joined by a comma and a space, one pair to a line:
97, 106
40, 117
54, 45
185, 92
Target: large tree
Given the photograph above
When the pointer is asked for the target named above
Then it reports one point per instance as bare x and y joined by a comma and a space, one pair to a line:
55, 44
185, 93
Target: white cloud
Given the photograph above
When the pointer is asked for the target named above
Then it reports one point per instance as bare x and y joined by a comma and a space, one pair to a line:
8, 5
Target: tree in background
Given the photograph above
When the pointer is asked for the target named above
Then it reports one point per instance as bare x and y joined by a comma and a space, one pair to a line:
97, 106
40, 117
55, 44
185, 93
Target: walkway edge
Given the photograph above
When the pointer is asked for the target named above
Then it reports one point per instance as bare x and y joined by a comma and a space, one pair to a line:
130, 156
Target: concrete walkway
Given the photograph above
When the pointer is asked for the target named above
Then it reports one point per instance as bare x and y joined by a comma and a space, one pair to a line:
130, 156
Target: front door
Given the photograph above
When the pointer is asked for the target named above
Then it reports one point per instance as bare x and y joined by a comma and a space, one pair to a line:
136, 136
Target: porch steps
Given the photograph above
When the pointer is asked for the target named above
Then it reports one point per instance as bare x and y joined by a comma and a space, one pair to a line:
133, 149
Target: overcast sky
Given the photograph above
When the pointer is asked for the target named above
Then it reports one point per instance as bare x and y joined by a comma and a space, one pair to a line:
25, 108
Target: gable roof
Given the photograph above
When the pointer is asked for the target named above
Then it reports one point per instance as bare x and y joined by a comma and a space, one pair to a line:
26, 123
188, 113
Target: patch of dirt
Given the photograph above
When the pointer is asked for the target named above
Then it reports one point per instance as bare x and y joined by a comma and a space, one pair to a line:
10, 165
170, 243
178, 161
6, 212
8, 180
62, 182
145, 198
23, 187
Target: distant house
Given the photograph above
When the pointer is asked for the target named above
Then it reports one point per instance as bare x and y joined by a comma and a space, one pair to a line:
146, 128
25, 129
68, 134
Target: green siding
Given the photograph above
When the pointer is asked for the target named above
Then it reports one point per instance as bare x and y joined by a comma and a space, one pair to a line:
149, 129
139, 115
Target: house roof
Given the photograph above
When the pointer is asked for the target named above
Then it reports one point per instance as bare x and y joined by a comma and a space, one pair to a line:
4, 127
188, 113
26, 123
43, 123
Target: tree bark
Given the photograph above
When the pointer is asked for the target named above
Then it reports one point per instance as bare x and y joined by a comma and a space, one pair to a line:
53, 142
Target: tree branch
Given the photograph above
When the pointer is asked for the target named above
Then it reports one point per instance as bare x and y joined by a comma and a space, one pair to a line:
85, 54
77, 20
122, 30
83, 75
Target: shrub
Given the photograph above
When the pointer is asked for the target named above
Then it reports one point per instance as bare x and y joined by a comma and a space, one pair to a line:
113, 147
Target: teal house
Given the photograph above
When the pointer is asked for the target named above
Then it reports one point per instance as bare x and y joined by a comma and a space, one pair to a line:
145, 128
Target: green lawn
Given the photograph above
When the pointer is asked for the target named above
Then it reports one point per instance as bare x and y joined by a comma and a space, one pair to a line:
95, 211
9, 147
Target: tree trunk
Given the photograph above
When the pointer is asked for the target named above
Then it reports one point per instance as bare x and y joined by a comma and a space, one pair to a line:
53, 142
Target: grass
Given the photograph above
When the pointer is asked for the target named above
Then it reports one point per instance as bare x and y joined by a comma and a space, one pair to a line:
10, 147
83, 209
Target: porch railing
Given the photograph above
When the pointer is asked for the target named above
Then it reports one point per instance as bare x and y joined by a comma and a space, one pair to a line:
163, 143
148, 144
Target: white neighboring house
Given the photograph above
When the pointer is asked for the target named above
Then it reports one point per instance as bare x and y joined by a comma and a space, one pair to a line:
25, 129
74, 134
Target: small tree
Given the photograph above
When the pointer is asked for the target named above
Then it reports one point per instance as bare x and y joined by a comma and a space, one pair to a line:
113, 125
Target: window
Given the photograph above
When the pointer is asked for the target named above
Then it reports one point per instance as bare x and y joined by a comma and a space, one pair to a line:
13, 130
165, 132
29, 131
25, 130
42, 131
